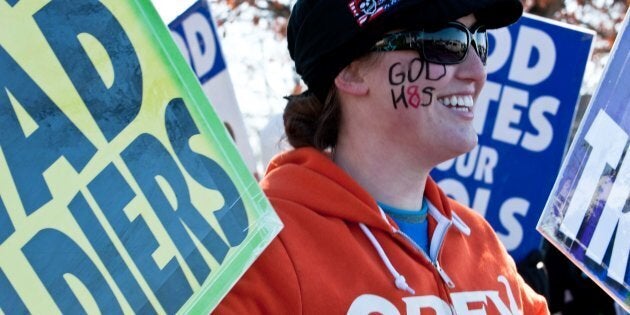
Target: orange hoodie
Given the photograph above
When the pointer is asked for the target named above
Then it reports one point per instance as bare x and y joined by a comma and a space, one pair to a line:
339, 253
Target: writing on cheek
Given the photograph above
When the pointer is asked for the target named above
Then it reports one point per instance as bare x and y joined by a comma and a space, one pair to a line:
413, 97
438, 74
401, 79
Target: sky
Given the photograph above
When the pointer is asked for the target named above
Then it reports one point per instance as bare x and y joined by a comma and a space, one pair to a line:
170, 9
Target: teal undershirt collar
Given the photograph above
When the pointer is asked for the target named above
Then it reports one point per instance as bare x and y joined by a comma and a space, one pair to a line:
413, 223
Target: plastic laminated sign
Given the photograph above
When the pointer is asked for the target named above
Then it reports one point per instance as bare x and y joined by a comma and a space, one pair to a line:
587, 215
120, 189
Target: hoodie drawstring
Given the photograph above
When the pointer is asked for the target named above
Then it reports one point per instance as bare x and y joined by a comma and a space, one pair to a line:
399, 280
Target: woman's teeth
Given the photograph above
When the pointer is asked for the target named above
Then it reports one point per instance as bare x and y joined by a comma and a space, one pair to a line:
461, 103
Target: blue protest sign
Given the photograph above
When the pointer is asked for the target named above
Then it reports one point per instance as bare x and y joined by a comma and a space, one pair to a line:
587, 216
195, 33
523, 118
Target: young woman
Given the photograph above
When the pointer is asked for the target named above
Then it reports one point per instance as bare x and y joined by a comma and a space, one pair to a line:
392, 85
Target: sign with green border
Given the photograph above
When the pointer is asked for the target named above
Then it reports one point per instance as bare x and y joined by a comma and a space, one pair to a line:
120, 189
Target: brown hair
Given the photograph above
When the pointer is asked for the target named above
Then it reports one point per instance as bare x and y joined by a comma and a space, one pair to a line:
309, 123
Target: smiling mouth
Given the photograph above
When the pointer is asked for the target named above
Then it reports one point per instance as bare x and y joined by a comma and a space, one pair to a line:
463, 103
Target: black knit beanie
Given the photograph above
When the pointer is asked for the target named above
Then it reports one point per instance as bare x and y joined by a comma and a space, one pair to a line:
324, 36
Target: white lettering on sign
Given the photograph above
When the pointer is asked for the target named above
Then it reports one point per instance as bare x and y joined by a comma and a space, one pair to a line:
530, 40
456, 190
540, 106
201, 50
507, 215
532, 62
611, 216
200, 43
510, 209
509, 123
509, 117
491, 92
481, 162
500, 52
533, 59
607, 141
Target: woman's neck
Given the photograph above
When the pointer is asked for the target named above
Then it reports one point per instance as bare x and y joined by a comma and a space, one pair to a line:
392, 177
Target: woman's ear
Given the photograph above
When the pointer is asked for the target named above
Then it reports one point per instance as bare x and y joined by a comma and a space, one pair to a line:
351, 80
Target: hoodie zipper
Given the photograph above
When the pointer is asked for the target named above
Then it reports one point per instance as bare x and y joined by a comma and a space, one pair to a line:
447, 283
436, 265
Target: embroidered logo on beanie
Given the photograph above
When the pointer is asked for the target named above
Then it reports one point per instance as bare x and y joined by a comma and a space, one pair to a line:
366, 10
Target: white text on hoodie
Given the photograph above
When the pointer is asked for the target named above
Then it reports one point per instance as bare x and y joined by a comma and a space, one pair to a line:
369, 303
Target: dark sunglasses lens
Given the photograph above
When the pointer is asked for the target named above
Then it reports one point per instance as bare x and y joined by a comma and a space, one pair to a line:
481, 42
445, 46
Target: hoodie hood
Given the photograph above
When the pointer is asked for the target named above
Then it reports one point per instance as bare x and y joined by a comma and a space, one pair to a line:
328, 183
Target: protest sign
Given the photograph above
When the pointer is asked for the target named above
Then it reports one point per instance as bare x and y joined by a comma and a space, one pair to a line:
195, 33
523, 118
120, 189
587, 215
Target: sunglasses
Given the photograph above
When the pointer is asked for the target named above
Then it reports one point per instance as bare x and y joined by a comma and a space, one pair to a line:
446, 46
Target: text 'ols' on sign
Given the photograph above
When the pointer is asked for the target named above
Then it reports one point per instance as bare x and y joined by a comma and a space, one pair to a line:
587, 216
120, 190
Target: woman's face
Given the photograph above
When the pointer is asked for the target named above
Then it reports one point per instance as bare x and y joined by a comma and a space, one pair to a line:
422, 108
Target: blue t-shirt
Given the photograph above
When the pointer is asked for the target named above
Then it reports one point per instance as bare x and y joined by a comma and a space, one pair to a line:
413, 223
